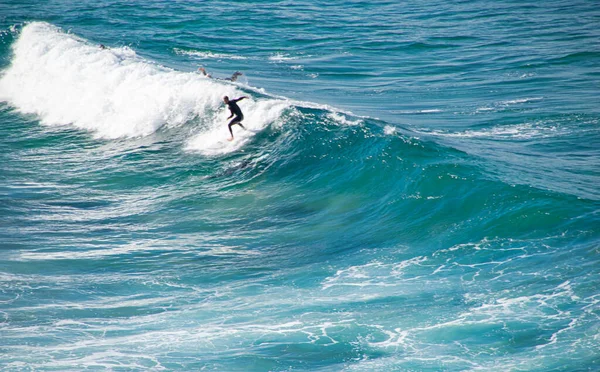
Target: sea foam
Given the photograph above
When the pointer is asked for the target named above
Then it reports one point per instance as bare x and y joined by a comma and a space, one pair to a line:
112, 92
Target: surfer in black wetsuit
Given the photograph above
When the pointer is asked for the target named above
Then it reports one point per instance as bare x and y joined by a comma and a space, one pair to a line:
235, 110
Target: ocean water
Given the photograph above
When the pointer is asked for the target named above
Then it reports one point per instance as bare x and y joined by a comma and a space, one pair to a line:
417, 188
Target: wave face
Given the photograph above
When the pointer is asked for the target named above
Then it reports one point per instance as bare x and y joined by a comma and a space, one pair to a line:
459, 232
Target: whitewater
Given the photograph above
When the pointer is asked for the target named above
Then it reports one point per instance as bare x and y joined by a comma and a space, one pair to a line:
417, 187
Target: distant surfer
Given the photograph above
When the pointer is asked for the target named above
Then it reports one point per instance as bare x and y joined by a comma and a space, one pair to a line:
233, 77
235, 111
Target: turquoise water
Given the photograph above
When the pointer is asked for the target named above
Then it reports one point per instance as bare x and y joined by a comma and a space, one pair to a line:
417, 189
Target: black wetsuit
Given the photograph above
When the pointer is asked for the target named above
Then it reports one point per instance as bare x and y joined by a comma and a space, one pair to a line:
235, 110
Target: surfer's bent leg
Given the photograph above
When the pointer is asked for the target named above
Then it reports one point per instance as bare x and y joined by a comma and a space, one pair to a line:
234, 121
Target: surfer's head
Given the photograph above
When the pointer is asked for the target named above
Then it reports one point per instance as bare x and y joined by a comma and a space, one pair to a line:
226, 99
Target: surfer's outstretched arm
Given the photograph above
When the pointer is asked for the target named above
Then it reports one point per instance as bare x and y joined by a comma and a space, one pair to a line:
202, 70
235, 76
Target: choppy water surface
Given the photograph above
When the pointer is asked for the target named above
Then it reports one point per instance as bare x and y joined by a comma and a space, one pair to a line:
417, 188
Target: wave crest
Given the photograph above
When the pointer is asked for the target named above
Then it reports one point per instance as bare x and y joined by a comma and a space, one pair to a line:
112, 92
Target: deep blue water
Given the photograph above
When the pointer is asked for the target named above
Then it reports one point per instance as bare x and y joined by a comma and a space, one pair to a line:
416, 190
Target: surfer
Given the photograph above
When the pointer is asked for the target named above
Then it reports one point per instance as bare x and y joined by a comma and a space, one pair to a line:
232, 78
235, 110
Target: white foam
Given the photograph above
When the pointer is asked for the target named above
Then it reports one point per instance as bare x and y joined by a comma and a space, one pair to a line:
415, 112
112, 92
341, 119
389, 130
130, 248
281, 57
206, 54
519, 131
503, 105
305, 104
521, 100
375, 274
257, 116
